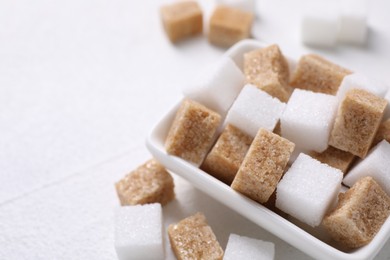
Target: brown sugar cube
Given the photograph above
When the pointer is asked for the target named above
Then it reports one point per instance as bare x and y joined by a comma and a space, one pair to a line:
318, 75
263, 166
227, 154
229, 25
335, 157
357, 122
192, 131
193, 238
383, 132
149, 183
359, 215
268, 69
182, 20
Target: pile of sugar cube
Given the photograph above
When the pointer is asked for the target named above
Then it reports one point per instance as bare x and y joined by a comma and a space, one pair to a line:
265, 130
139, 223
325, 23
230, 22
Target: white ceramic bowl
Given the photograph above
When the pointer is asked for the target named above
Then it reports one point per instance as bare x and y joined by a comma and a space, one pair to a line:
305, 241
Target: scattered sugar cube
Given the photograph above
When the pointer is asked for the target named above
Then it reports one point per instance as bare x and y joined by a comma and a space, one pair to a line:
229, 25
318, 75
254, 109
320, 24
192, 131
308, 119
353, 21
335, 157
359, 81
222, 77
227, 154
149, 183
263, 166
192, 238
244, 5
138, 232
182, 19
268, 69
312, 184
376, 165
359, 215
357, 121
383, 132
241, 247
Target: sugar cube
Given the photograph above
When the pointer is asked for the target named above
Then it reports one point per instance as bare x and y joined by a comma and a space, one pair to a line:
376, 165
353, 21
320, 24
308, 119
138, 232
229, 25
268, 69
270, 204
149, 183
335, 157
245, 5
227, 154
387, 111
311, 183
359, 215
360, 81
222, 77
254, 109
318, 74
263, 166
357, 121
182, 19
193, 238
192, 131
297, 151
383, 132
241, 247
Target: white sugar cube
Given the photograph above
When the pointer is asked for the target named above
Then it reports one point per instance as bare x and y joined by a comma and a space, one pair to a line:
245, 5
320, 23
312, 184
308, 119
353, 21
218, 86
376, 165
254, 109
360, 81
138, 232
241, 247
386, 115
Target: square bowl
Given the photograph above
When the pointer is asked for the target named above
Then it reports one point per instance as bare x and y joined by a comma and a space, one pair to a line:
305, 239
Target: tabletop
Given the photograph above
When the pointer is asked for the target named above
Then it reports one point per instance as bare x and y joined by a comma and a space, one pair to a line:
82, 82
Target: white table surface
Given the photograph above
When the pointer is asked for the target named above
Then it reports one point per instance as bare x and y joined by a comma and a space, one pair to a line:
82, 82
